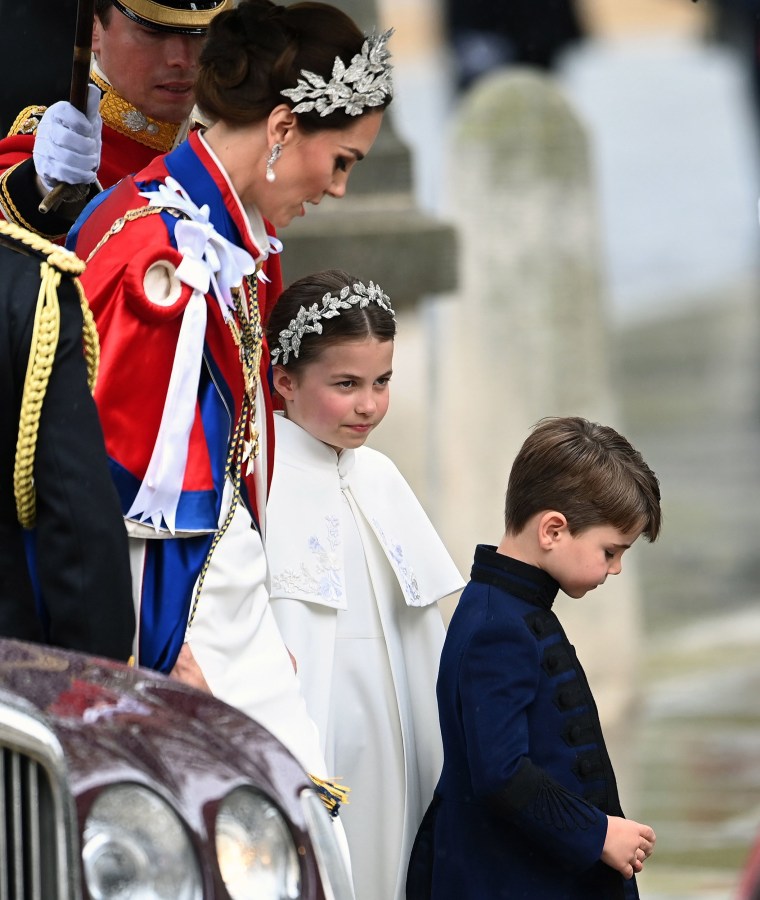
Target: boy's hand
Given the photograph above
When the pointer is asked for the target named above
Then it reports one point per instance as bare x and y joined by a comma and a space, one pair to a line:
627, 845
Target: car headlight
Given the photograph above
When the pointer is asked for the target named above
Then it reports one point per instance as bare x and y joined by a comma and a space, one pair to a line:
135, 846
256, 853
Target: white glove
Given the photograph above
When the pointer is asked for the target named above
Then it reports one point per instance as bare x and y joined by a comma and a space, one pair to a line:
67, 143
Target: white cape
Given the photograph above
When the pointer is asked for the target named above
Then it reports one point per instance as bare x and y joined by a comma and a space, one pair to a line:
318, 548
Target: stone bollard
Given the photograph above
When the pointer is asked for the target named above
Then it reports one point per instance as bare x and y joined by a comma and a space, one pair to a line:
530, 322
526, 336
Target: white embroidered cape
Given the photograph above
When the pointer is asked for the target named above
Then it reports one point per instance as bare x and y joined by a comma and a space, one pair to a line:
305, 500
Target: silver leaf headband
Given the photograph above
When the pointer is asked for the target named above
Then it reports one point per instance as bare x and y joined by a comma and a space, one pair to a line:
307, 321
366, 82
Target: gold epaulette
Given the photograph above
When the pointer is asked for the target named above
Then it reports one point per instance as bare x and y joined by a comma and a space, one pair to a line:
55, 262
27, 120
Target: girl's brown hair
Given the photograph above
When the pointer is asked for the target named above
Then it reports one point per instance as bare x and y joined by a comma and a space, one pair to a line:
353, 324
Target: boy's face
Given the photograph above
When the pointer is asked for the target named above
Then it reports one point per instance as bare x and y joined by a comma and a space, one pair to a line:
583, 561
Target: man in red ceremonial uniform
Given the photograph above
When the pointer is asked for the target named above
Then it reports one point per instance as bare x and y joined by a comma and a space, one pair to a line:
139, 104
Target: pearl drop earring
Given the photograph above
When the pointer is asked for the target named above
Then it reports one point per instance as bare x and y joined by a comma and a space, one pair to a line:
274, 155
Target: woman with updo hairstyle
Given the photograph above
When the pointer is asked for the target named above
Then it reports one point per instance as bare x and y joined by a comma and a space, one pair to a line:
182, 269
255, 52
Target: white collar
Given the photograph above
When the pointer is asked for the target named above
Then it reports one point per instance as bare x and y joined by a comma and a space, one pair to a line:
307, 450
257, 231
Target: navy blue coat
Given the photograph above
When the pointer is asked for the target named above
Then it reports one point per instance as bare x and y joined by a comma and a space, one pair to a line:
521, 807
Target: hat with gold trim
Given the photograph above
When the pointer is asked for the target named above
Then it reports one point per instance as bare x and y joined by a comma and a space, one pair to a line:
180, 16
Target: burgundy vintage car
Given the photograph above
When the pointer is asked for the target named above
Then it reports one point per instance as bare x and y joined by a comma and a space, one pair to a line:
119, 783
749, 888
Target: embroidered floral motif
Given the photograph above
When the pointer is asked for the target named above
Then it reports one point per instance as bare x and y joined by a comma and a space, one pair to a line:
404, 571
323, 577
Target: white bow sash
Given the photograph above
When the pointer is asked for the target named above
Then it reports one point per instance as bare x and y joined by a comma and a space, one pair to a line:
209, 262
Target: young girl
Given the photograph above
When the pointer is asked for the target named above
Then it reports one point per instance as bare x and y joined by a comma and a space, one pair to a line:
356, 568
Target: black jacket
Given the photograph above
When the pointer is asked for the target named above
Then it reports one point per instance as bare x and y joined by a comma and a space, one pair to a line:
79, 544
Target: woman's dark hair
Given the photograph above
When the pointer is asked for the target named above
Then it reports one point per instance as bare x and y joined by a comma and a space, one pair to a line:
353, 324
258, 49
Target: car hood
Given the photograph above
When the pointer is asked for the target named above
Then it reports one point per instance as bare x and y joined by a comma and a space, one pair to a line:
116, 722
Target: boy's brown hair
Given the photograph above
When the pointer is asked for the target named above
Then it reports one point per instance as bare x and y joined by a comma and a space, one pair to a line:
587, 472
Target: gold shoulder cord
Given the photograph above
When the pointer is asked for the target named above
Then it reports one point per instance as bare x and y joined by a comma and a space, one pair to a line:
47, 321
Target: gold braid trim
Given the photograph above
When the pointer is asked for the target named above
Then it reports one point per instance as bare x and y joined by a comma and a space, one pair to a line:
247, 334
124, 118
45, 332
62, 259
9, 208
47, 320
90, 338
234, 473
27, 120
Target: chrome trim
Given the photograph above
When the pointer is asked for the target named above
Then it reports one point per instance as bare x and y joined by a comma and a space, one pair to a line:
39, 815
336, 880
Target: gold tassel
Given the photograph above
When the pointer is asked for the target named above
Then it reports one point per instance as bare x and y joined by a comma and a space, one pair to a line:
331, 793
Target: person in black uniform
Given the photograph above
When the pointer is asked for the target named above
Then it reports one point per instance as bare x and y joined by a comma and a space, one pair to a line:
64, 562
486, 34
527, 805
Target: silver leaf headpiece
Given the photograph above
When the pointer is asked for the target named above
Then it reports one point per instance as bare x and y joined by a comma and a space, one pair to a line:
366, 82
307, 321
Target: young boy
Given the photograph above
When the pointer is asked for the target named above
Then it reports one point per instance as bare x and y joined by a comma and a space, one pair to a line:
527, 806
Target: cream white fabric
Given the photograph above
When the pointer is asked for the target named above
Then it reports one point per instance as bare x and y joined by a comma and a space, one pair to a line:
356, 570
236, 642
161, 285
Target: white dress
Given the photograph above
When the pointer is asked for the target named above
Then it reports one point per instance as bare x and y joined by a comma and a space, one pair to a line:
356, 570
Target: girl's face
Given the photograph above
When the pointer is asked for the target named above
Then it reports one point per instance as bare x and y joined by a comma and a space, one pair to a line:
343, 394
314, 165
